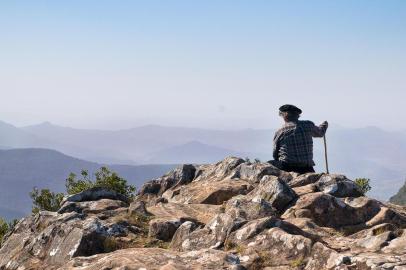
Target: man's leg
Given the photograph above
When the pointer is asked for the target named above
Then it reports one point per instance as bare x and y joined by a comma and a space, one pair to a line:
303, 170
277, 164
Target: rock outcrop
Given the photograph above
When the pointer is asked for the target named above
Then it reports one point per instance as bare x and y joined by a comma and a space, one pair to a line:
230, 215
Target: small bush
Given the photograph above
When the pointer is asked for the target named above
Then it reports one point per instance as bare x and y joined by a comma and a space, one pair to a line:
3, 228
6, 227
110, 244
240, 249
297, 263
363, 184
46, 200
257, 160
74, 185
104, 178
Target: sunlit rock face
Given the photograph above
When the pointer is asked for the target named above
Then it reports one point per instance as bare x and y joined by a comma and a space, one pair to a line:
230, 215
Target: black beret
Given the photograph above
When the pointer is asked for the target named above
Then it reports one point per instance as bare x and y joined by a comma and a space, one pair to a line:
290, 108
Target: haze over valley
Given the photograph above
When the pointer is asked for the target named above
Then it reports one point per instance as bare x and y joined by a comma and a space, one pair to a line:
43, 155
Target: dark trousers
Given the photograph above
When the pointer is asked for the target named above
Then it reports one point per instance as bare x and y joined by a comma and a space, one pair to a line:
291, 167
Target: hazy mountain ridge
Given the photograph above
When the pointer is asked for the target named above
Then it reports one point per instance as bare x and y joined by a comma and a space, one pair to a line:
137, 144
362, 152
192, 152
23, 169
400, 196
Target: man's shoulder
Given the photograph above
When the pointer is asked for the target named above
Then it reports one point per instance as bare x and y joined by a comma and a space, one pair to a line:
285, 128
306, 123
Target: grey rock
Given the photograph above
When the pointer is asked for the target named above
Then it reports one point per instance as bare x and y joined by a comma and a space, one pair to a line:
274, 190
338, 186
163, 229
180, 176
138, 208
181, 234
95, 194
305, 179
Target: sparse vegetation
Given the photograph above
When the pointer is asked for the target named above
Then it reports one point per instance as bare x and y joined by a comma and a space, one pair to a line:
45, 199
247, 159
299, 262
229, 245
74, 185
257, 160
240, 249
379, 230
104, 178
155, 243
111, 244
363, 184
6, 227
263, 260
3, 228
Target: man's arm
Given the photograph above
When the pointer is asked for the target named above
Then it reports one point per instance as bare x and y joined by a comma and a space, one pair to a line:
319, 131
276, 146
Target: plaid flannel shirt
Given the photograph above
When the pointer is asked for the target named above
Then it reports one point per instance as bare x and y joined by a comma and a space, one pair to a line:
293, 143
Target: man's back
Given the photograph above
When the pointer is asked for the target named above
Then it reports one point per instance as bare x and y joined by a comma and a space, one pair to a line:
293, 143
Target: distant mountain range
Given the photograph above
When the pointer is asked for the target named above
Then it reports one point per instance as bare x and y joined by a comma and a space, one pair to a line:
144, 144
364, 152
192, 152
400, 197
23, 169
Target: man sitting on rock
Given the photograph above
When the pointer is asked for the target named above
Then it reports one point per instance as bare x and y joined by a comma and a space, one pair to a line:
293, 143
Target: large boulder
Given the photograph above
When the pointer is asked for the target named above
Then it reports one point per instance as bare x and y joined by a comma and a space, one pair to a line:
181, 235
329, 211
305, 179
180, 176
274, 247
213, 235
92, 207
53, 239
274, 190
164, 229
219, 171
201, 213
86, 224
338, 186
249, 209
254, 172
94, 194
207, 192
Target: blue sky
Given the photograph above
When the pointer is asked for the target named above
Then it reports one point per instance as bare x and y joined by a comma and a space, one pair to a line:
220, 64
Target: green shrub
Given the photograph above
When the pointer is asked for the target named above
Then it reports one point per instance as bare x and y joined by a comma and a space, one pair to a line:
74, 185
104, 178
257, 160
46, 200
3, 228
297, 263
6, 227
363, 184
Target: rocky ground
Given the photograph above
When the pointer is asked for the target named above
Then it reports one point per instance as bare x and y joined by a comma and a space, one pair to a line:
230, 215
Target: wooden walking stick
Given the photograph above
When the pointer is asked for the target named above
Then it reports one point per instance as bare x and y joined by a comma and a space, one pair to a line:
325, 153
